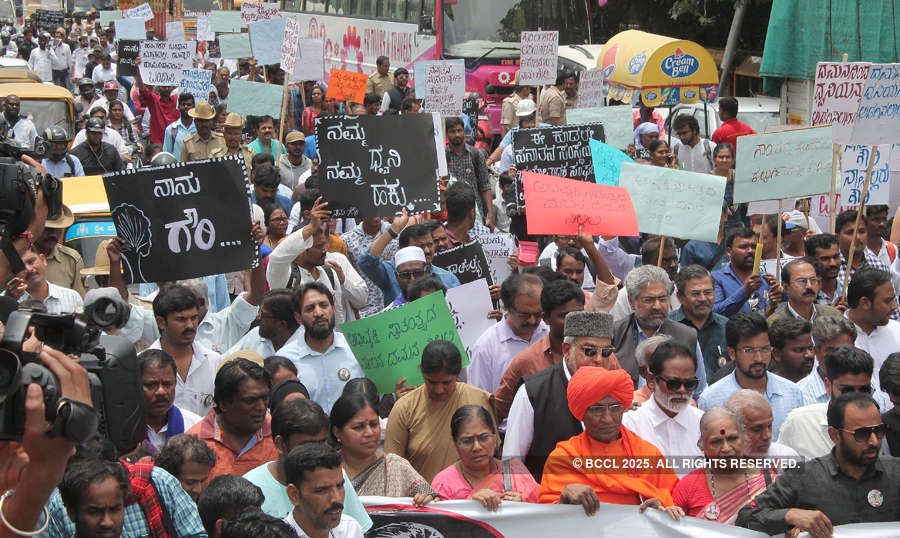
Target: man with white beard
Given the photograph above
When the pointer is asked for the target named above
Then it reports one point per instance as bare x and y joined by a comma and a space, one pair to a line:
667, 419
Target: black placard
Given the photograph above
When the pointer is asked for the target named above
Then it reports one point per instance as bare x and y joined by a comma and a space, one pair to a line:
129, 51
563, 151
49, 20
466, 261
196, 6
183, 220
372, 166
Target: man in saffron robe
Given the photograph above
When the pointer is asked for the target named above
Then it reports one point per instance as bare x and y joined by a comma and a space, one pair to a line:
598, 397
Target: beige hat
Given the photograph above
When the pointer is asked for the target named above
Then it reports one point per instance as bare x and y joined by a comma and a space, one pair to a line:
294, 136
202, 111
66, 219
248, 354
234, 120
101, 260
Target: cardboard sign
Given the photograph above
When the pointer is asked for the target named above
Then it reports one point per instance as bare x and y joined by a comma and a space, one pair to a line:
673, 202
836, 96
386, 174
106, 17
497, 249
163, 61
470, 305
854, 163
142, 12
783, 164
562, 151
445, 86
418, 74
878, 117
559, 205
225, 21
290, 44
388, 346
204, 29
466, 261
131, 29
259, 11
310, 63
197, 6
537, 61
617, 122
528, 253
265, 40
607, 162
183, 220
347, 86
128, 52
49, 20
175, 31
233, 46
196, 82
590, 89
254, 98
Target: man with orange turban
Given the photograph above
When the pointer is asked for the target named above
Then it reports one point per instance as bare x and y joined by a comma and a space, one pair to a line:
607, 462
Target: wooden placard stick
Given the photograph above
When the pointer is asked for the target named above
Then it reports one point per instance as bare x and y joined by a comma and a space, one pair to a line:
662, 248
778, 242
859, 213
282, 120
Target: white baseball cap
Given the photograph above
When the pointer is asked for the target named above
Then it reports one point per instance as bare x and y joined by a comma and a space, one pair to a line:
525, 107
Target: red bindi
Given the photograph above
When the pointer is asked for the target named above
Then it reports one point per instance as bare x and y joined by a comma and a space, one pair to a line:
722, 432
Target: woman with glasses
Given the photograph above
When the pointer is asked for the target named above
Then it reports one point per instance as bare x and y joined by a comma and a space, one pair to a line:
478, 475
356, 428
418, 427
276, 221
726, 483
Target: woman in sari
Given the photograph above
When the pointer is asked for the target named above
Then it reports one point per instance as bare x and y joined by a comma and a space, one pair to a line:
724, 158
356, 428
718, 490
661, 155
276, 221
317, 105
478, 475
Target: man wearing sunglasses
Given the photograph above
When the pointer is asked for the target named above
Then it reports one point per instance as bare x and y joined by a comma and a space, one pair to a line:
539, 416
667, 420
850, 484
802, 281
848, 369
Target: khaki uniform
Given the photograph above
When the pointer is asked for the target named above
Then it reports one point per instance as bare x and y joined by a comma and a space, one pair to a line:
508, 112
552, 104
247, 152
195, 149
378, 83
64, 265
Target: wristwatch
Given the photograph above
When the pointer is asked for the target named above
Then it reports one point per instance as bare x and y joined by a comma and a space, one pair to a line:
392, 232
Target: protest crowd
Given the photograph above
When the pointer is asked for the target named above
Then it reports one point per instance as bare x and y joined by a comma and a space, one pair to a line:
443, 343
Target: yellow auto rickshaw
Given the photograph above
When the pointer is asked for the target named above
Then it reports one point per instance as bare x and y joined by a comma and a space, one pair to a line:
45, 105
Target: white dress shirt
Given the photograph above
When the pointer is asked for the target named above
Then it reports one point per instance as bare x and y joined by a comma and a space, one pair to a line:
158, 438
24, 131
675, 437
494, 350
252, 341
354, 290
550, 252
110, 136
806, 430
520, 423
195, 393
347, 528
59, 300
40, 61
62, 57
879, 344
323, 374
220, 330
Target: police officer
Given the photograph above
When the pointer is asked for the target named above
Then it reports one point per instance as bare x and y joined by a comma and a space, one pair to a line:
234, 124
64, 264
204, 142
58, 162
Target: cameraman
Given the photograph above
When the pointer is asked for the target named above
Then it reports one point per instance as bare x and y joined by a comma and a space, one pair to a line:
30, 470
24, 240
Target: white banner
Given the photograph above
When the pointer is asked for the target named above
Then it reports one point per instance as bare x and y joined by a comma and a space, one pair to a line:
590, 88
310, 61
537, 61
469, 305
142, 12
396, 517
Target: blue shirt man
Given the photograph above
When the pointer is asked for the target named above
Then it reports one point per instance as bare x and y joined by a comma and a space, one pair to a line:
68, 166
737, 288
384, 273
174, 136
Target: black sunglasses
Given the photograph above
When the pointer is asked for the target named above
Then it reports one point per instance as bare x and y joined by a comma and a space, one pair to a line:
673, 383
592, 351
861, 435
406, 275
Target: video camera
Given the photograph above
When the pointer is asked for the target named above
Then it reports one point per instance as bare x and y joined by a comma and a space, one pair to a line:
112, 367
19, 184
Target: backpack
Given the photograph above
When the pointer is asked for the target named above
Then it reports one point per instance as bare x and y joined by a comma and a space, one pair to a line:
296, 278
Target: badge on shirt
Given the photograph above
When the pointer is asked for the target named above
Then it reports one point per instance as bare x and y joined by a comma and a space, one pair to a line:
344, 375
875, 498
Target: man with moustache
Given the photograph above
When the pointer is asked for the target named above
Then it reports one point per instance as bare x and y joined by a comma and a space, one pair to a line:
667, 420
649, 289
316, 489
824, 248
851, 484
756, 417
34, 285
164, 419
872, 300
747, 336
20, 127
802, 283
697, 295
738, 288
93, 492
792, 348
204, 142
806, 428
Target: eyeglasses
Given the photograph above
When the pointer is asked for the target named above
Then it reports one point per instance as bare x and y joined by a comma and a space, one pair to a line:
696, 294
408, 275
649, 301
747, 350
469, 442
598, 409
804, 281
674, 383
591, 351
861, 435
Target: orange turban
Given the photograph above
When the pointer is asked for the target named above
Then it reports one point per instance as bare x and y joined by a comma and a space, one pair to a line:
591, 384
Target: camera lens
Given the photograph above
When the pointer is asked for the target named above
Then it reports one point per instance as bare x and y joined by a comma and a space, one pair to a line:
10, 372
106, 313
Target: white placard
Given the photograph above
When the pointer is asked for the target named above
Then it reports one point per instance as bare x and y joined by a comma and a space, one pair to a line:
445, 85
142, 11
204, 29
878, 117
537, 62
590, 88
469, 305
836, 96
439, 145
290, 44
175, 31
310, 64
259, 11
162, 62
498, 247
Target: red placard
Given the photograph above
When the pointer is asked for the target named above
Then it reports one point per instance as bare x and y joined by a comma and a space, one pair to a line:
528, 253
347, 86
556, 205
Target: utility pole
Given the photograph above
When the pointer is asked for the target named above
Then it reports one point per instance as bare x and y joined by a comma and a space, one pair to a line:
740, 7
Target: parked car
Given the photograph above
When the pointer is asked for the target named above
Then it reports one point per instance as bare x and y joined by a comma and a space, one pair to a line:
759, 112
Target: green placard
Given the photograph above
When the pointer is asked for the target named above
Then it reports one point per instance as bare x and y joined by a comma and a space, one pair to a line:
389, 346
